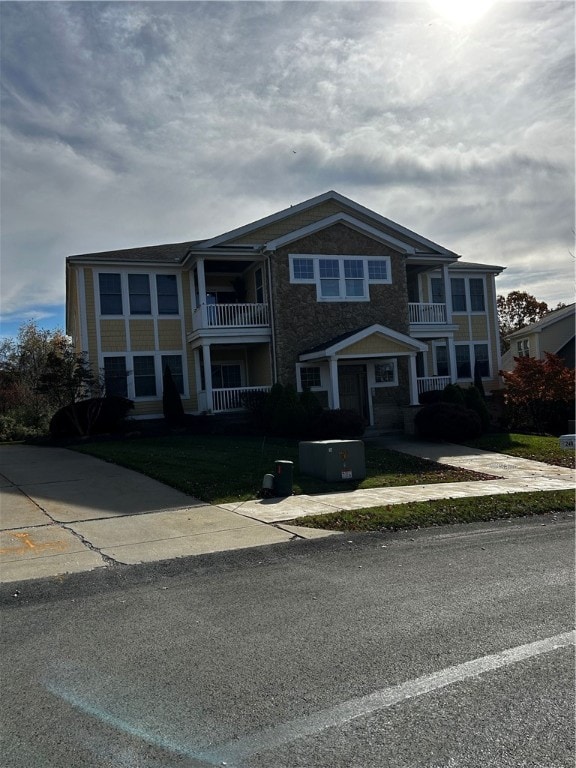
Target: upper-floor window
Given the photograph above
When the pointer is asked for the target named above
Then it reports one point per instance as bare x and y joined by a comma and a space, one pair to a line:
437, 290
139, 293
167, 290
468, 294
110, 286
340, 278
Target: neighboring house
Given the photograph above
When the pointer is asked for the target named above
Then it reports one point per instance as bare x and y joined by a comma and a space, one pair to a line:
553, 333
325, 295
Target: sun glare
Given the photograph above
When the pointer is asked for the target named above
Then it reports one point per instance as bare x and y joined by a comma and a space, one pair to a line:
462, 12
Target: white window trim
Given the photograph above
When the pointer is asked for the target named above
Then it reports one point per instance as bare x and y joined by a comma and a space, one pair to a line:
435, 345
239, 363
341, 258
467, 294
125, 292
157, 355
372, 373
471, 353
324, 378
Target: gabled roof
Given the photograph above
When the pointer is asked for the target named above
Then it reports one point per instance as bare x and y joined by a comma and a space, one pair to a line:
338, 343
471, 266
552, 317
401, 232
168, 253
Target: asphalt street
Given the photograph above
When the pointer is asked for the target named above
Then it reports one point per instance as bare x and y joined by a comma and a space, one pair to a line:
446, 648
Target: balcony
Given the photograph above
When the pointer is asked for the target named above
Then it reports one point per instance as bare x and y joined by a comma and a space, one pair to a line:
426, 314
231, 316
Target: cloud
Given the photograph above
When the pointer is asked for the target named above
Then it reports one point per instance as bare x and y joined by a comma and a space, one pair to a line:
128, 124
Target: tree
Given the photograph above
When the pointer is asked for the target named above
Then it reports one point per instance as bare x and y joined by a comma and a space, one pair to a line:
540, 393
40, 372
516, 310
171, 400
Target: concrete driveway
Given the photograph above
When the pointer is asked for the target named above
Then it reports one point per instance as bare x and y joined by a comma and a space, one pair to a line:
62, 512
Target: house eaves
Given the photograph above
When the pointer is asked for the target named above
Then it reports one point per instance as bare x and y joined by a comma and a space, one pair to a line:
552, 317
339, 218
361, 210
338, 343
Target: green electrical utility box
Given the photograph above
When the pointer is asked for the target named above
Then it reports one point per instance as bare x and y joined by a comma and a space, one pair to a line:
333, 460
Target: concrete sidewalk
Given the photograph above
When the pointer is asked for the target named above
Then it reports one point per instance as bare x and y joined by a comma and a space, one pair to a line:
64, 512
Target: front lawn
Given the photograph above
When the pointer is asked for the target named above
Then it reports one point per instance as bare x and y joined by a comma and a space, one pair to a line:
420, 514
220, 469
537, 447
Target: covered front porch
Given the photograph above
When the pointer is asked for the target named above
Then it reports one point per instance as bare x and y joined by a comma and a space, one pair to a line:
371, 371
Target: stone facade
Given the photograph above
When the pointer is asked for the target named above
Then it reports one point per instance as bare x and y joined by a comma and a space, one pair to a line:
303, 322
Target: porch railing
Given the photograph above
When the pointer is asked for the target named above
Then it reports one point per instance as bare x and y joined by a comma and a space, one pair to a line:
431, 314
232, 399
231, 316
429, 383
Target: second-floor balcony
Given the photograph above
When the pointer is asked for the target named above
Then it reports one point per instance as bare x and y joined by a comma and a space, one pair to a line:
426, 313
231, 316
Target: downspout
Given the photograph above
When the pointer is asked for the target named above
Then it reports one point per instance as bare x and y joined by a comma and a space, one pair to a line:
268, 255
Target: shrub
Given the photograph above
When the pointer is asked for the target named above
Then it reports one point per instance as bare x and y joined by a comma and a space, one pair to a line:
171, 401
447, 421
88, 417
432, 396
337, 424
475, 402
452, 393
13, 429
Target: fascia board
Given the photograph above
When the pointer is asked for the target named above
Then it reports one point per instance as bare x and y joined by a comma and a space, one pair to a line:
338, 218
417, 346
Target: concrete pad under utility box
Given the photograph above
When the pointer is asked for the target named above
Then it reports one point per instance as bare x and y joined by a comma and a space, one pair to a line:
333, 460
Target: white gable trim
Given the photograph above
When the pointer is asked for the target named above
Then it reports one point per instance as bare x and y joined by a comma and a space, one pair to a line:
412, 344
338, 218
234, 234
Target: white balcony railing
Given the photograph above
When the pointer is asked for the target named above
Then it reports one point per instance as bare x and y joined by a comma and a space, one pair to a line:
431, 314
231, 316
428, 383
231, 399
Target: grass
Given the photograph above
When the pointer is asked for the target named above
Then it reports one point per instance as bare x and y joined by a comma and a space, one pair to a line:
443, 512
220, 469
537, 447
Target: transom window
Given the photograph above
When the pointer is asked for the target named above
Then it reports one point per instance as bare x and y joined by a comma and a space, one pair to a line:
339, 278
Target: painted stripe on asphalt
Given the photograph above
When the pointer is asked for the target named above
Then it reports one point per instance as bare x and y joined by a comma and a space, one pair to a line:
233, 753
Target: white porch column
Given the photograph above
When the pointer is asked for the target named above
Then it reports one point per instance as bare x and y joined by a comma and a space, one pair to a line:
413, 379
334, 383
447, 293
452, 360
208, 377
202, 295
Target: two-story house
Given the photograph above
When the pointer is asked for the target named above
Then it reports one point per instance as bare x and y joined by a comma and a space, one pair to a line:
553, 333
326, 295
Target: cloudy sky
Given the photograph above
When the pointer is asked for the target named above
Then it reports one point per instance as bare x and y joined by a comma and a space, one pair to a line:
137, 123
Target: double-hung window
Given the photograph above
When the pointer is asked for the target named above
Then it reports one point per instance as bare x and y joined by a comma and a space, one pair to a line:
339, 278
477, 301
139, 293
174, 362
110, 285
115, 376
458, 286
437, 290
167, 291
144, 376
463, 367
226, 375
481, 361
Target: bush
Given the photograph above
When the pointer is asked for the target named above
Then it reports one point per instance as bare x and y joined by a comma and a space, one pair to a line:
432, 396
337, 424
447, 421
90, 417
171, 401
452, 393
475, 402
13, 429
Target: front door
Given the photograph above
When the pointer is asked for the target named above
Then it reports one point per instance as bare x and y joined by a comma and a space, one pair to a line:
353, 387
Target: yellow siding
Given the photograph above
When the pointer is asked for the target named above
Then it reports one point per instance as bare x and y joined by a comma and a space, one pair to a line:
303, 219
479, 324
169, 334
112, 336
91, 317
147, 408
376, 344
142, 335
463, 332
